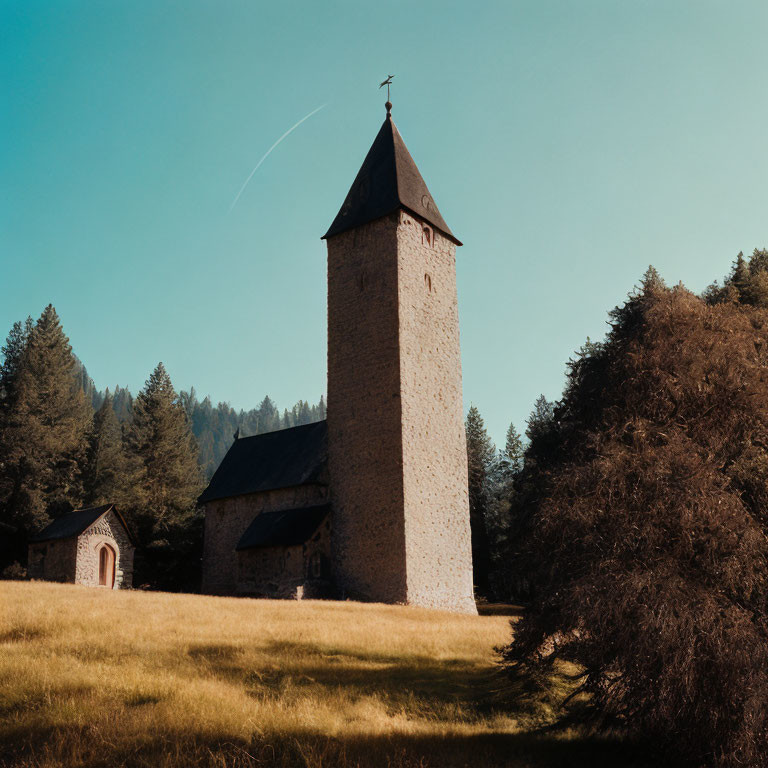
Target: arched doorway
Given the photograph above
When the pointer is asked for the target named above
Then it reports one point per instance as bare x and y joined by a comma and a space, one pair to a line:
106, 566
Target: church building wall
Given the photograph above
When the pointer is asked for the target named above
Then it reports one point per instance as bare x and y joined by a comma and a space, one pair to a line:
53, 560
75, 560
364, 426
301, 571
437, 532
226, 521
108, 531
397, 450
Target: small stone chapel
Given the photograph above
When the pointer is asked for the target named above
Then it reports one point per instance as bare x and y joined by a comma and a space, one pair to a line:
90, 546
372, 503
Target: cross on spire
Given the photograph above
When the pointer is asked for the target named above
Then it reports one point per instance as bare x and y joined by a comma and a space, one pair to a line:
388, 82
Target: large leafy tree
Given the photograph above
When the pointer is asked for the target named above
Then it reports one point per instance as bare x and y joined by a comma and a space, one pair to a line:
644, 521
165, 480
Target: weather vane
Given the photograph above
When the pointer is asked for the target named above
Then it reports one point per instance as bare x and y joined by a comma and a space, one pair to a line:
388, 82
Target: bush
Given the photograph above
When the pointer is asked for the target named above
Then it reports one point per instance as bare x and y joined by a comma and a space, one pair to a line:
14, 572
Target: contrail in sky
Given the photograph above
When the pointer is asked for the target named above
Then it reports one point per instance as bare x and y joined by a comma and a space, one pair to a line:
268, 152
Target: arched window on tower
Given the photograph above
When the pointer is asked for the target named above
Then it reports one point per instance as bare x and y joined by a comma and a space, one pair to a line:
427, 236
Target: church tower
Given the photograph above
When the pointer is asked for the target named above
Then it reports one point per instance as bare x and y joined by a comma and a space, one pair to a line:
396, 443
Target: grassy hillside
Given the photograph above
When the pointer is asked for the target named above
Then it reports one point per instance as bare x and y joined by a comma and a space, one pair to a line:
96, 678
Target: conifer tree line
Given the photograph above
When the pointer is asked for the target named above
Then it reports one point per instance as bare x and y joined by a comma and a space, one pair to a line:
214, 426
493, 477
64, 445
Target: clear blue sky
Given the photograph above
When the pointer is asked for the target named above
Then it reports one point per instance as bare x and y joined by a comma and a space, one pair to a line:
568, 144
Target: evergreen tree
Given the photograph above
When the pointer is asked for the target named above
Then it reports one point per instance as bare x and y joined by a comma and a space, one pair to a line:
13, 352
85, 382
268, 415
165, 483
500, 485
512, 457
43, 427
160, 445
304, 416
540, 418
740, 276
12, 537
746, 284
122, 402
480, 458
106, 470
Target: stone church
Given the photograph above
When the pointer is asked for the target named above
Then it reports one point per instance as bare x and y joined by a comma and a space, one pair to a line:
372, 503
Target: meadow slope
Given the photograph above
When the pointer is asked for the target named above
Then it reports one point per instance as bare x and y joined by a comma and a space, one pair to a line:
92, 677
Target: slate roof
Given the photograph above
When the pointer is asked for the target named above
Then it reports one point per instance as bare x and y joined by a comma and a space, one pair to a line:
286, 528
272, 460
387, 181
76, 522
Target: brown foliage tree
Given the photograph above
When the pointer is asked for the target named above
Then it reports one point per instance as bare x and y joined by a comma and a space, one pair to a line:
644, 530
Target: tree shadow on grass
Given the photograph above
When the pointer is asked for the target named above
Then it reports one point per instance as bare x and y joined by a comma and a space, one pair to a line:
397, 680
55, 747
456, 700
419, 687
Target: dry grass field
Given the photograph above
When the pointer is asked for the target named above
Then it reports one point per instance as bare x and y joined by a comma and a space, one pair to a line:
97, 678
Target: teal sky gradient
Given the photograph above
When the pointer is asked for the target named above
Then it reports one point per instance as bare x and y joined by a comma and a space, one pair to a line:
568, 145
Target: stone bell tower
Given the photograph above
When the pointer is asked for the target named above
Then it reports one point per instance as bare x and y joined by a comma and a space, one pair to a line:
396, 443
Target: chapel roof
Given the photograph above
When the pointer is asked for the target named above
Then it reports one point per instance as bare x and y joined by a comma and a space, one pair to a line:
76, 522
281, 459
387, 181
285, 528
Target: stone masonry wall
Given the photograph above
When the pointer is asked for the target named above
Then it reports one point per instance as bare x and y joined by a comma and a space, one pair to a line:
437, 531
364, 426
287, 572
53, 560
226, 521
274, 572
397, 451
108, 530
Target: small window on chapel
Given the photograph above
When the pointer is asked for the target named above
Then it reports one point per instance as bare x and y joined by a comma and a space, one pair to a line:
426, 235
428, 282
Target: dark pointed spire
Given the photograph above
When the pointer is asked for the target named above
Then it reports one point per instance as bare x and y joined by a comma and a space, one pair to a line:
387, 181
